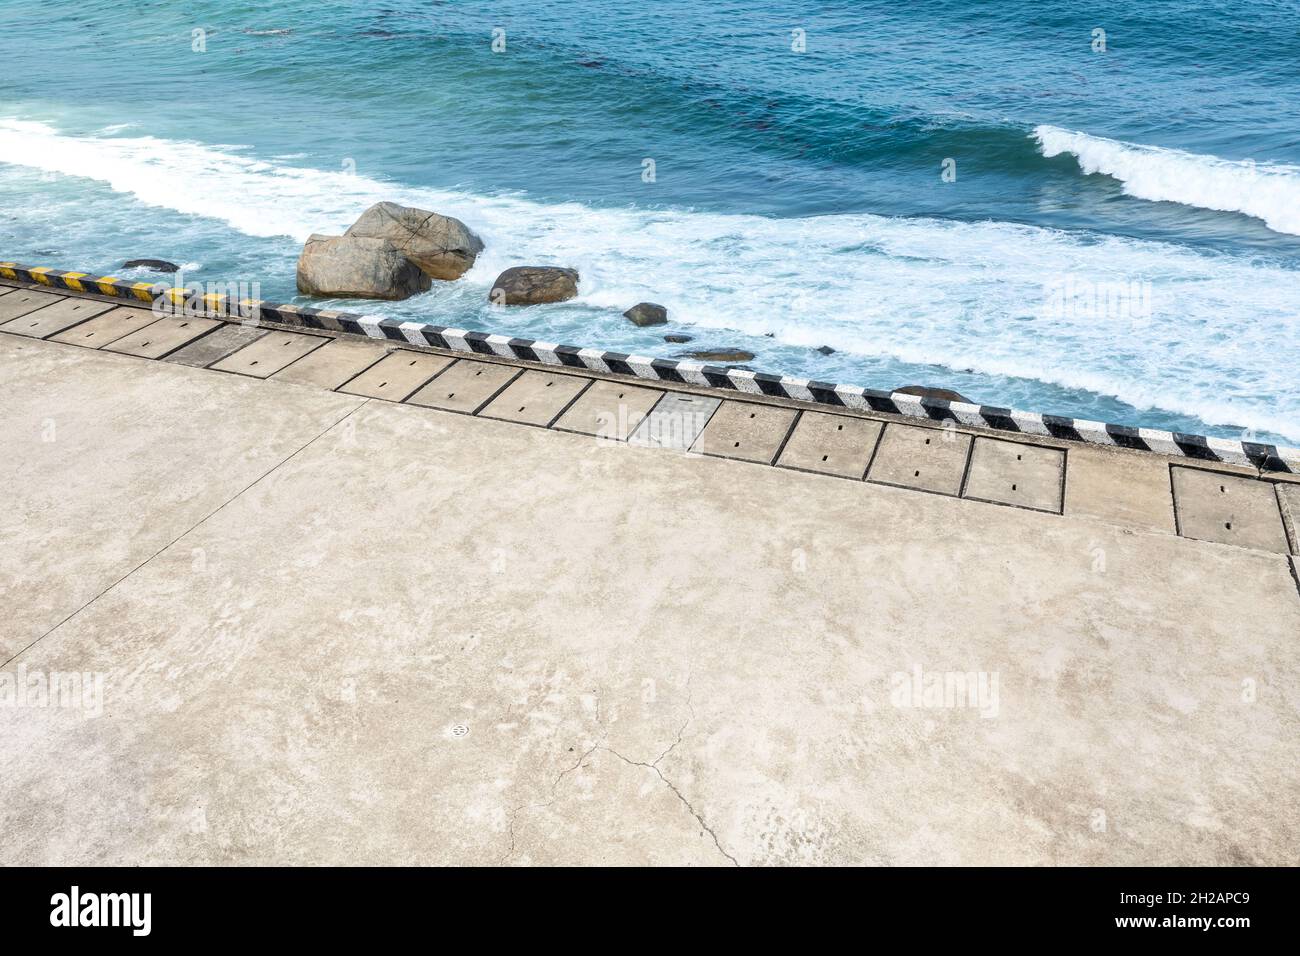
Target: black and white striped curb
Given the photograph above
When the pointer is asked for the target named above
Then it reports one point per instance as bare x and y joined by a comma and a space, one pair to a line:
1263, 456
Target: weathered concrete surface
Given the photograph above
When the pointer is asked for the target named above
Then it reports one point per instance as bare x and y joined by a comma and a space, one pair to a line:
107, 459
1123, 487
430, 638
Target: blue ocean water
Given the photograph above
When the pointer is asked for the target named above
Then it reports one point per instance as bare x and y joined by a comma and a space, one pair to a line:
1089, 209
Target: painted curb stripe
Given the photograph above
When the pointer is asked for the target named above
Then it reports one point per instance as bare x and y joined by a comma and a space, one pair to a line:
1265, 457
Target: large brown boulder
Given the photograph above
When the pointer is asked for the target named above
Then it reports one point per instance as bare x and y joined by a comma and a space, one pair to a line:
356, 267
443, 247
530, 285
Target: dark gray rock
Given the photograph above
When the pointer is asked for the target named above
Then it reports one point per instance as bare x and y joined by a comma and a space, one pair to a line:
531, 285
825, 350
358, 267
730, 356
647, 313
157, 265
924, 391
678, 338
443, 247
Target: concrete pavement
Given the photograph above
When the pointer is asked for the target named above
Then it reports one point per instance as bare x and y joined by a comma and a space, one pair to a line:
331, 628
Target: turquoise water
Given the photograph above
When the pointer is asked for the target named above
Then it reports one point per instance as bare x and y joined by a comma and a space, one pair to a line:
799, 198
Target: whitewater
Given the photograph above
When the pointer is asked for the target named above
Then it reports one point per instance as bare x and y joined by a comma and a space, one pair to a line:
1217, 343
1268, 192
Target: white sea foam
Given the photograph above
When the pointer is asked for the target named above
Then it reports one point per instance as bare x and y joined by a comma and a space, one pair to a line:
1267, 192
1220, 340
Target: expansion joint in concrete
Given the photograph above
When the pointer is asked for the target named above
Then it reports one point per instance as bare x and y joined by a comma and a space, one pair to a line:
191, 528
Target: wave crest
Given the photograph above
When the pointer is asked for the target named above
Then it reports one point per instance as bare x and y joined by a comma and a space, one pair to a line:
1270, 193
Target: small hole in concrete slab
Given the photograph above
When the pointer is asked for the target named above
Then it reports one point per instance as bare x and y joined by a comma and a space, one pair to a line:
451, 394
927, 441
824, 457
751, 414
1228, 525
1013, 487
549, 384
916, 474
1223, 489
737, 445
522, 407
839, 428
1018, 457
382, 384
252, 363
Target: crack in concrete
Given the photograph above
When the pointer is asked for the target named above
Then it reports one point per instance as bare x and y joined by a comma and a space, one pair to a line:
600, 745
555, 784
686, 803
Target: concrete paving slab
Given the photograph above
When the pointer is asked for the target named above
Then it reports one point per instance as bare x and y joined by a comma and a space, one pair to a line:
107, 460
464, 386
216, 345
610, 410
335, 362
6, 289
397, 376
831, 445
164, 336
675, 422
542, 689
1228, 509
1128, 489
107, 328
745, 431
22, 301
929, 459
535, 398
267, 355
51, 319
1011, 473
1288, 497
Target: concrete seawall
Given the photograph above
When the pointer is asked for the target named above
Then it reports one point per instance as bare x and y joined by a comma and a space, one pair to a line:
355, 599
1264, 456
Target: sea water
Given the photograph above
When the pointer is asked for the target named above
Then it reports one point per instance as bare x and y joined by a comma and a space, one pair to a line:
1087, 209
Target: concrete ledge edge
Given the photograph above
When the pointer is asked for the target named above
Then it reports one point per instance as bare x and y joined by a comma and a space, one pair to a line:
1267, 458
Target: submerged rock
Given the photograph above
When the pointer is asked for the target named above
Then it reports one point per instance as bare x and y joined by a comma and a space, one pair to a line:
825, 350
924, 391
443, 247
678, 338
647, 313
531, 285
730, 356
358, 267
157, 265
